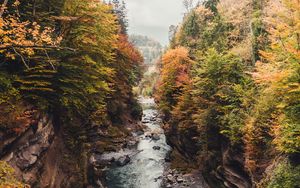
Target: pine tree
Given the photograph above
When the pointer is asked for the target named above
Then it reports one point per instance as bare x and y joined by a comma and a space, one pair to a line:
119, 9
212, 5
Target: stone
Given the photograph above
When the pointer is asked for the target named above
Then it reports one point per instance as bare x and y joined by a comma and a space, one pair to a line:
179, 180
131, 144
168, 157
139, 133
122, 161
170, 178
155, 137
112, 160
145, 121
156, 147
156, 179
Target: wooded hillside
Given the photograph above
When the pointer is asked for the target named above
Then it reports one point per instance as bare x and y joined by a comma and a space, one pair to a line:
229, 90
69, 63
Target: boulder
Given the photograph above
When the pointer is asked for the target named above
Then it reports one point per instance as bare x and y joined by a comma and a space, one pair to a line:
170, 178
155, 137
156, 147
180, 180
139, 133
122, 161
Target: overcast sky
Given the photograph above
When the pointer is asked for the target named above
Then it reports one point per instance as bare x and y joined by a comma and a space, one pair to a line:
153, 17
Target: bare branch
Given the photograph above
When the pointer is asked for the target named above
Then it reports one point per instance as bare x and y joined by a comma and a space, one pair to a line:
49, 60
22, 58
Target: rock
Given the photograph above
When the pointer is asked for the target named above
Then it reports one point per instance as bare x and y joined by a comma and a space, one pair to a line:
139, 133
122, 161
168, 157
92, 160
170, 171
156, 147
169, 186
156, 179
145, 121
170, 178
179, 180
130, 144
112, 160
155, 137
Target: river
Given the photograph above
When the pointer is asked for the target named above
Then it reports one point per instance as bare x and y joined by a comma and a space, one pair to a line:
146, 167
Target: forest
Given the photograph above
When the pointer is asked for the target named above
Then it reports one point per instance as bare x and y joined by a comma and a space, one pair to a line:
68, 64
227, 90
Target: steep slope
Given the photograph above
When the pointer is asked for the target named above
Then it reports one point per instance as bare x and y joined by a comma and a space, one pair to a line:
66, 78
221, 91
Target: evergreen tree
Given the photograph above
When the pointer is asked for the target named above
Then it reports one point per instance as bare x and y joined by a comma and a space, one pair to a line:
212, 5
119, 9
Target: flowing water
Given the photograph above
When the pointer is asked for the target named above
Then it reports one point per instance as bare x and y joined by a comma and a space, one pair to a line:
147, 166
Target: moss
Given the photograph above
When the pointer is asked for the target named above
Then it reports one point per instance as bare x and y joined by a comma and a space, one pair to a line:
285, 176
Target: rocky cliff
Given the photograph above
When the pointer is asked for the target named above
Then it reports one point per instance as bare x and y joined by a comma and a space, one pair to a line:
42, 157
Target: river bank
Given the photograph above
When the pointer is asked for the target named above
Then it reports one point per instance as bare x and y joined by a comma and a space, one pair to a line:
142, 162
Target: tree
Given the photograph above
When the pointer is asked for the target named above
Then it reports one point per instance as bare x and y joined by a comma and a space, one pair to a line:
220, 83
94, 36
188, 5
174, 76
21, 39
280, 75
212, 5
119, 9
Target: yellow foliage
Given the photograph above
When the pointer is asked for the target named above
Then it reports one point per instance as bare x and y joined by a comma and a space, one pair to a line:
279, 73
7, 177
15, 33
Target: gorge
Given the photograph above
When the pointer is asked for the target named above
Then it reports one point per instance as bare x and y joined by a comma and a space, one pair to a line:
87, 103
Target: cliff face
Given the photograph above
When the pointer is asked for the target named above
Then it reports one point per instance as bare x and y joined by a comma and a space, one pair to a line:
222, 166
42, 157
28, 152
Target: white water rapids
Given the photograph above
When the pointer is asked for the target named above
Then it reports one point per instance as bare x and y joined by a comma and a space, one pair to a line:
147, 166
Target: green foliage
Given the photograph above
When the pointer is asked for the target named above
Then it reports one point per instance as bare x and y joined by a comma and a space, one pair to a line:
83, 76
212, 5
191, 27
36, 85
41, 10
221, 82
259, 33
201, 30
285, 176
7, 91
288, 138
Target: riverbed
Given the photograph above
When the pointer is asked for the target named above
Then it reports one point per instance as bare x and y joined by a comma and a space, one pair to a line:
147, 164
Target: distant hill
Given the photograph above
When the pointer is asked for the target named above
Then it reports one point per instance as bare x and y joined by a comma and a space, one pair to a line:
150, 49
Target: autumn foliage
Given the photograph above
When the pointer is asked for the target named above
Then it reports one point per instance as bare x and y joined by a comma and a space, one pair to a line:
175, 67
70, 60
237, 102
